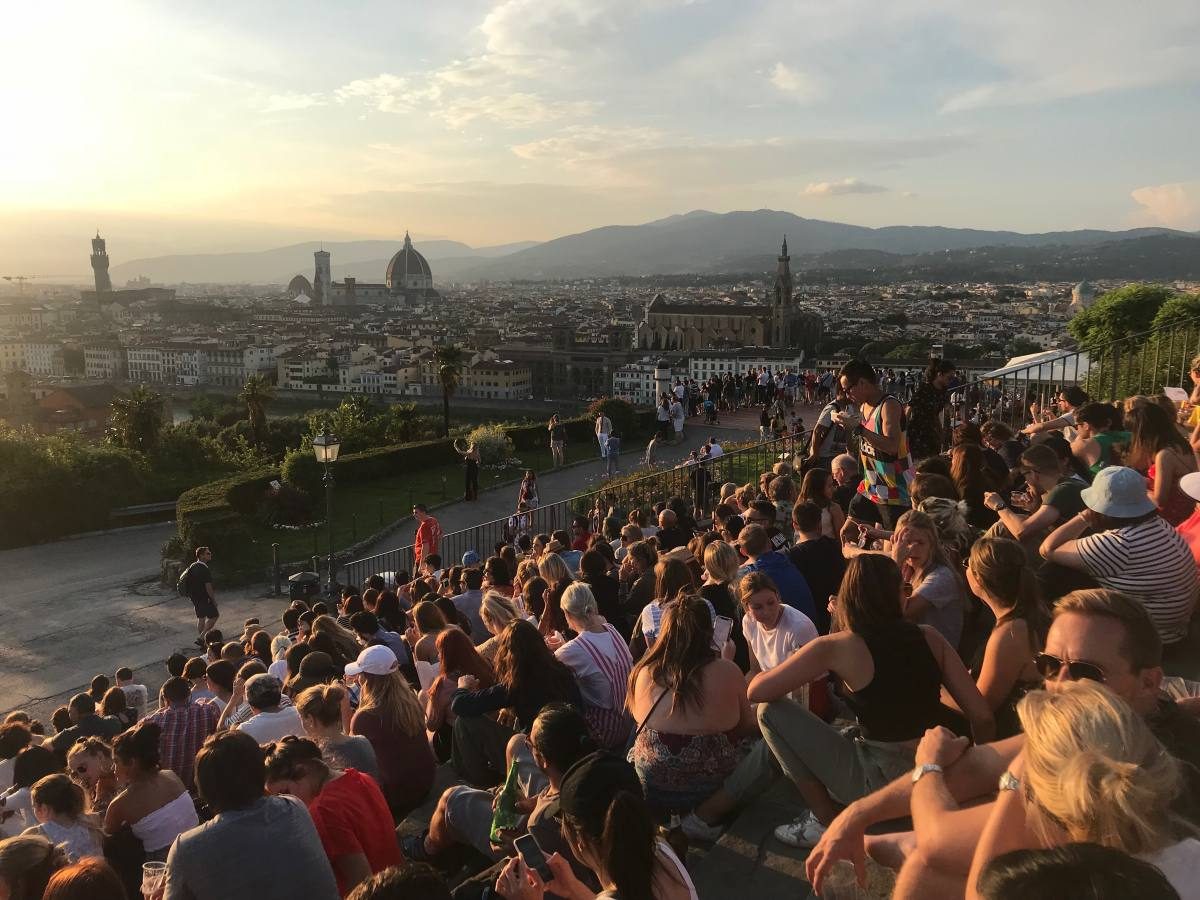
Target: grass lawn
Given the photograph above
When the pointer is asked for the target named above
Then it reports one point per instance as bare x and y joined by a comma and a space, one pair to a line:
362, 509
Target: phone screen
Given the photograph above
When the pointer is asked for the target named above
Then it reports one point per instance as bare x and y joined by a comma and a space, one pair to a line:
532, 855
722, 625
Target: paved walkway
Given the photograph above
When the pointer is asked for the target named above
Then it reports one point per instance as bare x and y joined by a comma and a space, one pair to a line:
576, 479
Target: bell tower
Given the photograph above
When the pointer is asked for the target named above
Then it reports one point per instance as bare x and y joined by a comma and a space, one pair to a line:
781, 297
100, 265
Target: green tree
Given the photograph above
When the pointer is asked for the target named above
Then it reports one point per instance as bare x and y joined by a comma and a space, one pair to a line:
135, 422
257, 393
1182, 309
1118, 314
450, 360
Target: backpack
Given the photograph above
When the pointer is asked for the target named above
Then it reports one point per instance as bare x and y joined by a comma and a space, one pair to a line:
181, 586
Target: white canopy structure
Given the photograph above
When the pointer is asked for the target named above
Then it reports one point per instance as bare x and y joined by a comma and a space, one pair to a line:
1055, 366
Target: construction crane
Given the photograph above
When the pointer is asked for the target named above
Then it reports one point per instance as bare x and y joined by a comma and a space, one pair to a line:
19, 279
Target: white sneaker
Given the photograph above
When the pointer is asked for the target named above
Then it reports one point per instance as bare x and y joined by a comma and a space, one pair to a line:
698, 830
804, 832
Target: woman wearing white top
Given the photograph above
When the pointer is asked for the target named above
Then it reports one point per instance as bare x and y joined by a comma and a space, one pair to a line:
601, 662
1092, 771
155, 804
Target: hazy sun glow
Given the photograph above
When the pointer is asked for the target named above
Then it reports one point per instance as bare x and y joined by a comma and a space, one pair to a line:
498, 120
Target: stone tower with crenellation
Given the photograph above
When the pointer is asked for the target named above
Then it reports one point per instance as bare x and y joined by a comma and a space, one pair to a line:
100, 265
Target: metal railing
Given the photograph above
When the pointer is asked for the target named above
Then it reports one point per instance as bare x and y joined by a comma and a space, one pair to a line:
698, 484
1143, 363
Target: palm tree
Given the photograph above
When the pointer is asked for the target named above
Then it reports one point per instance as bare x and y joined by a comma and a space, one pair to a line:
257, 394
450, 360
135, 421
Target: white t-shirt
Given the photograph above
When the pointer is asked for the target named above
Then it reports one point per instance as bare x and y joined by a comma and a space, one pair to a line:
714, 450
1181, 864
772, 646
136, 697
594, 684
271, 726
279, 669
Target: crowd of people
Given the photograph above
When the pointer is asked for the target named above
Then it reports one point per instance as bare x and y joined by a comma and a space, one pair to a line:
959, 647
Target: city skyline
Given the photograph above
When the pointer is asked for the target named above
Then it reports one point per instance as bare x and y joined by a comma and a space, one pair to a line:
492, 122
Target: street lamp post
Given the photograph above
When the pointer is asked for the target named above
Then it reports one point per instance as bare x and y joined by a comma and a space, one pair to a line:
325, 447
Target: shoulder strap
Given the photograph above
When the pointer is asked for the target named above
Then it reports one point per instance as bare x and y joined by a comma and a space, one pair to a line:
642, 724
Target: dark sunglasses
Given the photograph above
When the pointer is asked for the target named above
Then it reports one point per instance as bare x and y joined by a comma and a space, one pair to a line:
1049, 666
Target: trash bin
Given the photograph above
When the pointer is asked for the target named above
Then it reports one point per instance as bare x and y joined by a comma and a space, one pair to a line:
303, 585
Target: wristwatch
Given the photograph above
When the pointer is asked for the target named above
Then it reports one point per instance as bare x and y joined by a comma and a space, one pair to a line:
921, 771
1009, 782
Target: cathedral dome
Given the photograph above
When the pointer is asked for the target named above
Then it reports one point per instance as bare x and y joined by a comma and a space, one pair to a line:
300, 285
408, 270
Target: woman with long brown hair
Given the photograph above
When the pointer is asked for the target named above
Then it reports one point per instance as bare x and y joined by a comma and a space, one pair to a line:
999, 574
1159, 449
672, 580
390, 717
343, 641
458, 657
558, 577
528, 676
892, 671
691, 709
422, 635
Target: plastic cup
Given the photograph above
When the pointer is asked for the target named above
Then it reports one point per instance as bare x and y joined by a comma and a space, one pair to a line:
154, 880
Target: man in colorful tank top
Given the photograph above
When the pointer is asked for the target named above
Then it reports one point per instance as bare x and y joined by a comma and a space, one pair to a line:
883, 445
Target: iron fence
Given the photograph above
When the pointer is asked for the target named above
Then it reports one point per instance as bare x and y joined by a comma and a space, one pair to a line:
697, 483
1144, 363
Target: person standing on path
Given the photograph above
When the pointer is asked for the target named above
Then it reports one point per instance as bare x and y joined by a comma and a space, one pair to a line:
428, 536
613, 451
603, 430
558, 439
197, 584
677, 417
470, 457
880, 425
528, 493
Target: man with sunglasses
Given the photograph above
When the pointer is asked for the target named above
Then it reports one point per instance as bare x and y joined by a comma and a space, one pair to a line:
1096, 634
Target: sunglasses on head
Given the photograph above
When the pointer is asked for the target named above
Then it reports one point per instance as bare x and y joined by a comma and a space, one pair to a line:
1049, 666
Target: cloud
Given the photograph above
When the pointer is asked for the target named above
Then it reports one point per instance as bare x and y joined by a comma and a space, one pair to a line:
384, 93
512, 110
845, 186
290, 101
1043, 52
1175, 205
799, 85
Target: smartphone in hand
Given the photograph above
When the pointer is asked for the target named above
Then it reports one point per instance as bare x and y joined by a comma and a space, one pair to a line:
722, 625
532, 855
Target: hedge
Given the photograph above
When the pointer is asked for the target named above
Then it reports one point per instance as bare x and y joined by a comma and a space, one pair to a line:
213, 514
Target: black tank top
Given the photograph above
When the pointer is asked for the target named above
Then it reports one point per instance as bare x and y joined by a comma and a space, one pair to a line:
903, 699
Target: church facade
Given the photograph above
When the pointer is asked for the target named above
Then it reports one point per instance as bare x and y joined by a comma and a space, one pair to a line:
736, 321
408, 281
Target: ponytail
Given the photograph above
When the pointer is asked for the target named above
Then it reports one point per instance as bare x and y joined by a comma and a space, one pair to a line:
627, 847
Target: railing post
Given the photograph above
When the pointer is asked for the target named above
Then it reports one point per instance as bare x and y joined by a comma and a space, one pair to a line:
276, 570
1116, 366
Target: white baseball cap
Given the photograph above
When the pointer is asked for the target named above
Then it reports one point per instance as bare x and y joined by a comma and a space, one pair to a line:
374, 660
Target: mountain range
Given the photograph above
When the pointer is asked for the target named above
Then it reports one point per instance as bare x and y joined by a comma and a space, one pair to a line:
695, 242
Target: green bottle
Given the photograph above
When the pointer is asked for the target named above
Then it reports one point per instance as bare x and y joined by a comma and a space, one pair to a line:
506, 816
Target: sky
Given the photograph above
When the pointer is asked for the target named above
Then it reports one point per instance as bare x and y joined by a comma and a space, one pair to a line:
192, 126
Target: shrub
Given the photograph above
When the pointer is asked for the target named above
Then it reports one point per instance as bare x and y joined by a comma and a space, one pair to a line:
301, 470
493, 444
287, 506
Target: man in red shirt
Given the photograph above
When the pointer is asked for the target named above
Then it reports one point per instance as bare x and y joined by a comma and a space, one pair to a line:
580, 536
428, 536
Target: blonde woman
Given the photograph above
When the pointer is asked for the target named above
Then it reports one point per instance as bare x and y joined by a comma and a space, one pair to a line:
558, 577
390, 717
721, 562
933, 594
343, 641
601, 661
497, 611
1091, 771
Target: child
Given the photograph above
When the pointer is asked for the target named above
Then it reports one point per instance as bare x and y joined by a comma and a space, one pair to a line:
58, 806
